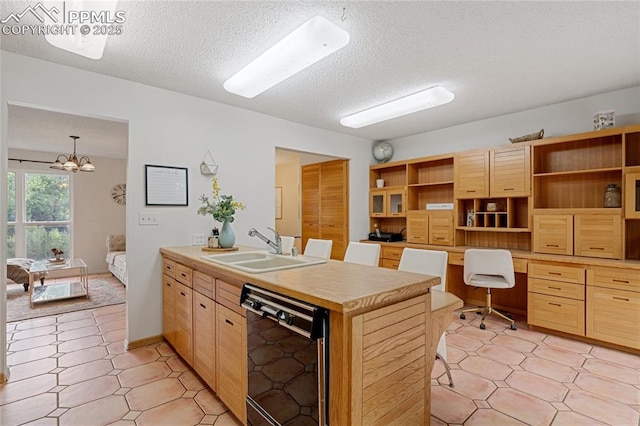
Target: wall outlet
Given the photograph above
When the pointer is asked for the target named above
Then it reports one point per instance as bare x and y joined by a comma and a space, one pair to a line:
145, 219
198, 239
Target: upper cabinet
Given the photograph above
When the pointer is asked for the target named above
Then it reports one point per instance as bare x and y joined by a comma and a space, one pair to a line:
472, 175
510, 172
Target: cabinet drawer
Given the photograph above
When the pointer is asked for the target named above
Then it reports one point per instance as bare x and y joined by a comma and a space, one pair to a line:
553, 234
229, 295
392, 253
613, 316
390, 263
520, 265
557, 272
621, 279
556, 288
456, 258
169, 267
184, 275
204, 284
556, 313
598, 236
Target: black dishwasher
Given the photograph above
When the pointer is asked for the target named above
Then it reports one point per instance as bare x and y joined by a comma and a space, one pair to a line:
287, 359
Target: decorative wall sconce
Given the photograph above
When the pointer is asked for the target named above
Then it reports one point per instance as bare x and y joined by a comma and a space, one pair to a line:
208, 167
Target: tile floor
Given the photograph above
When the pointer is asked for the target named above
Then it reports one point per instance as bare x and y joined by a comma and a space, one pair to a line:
72, 369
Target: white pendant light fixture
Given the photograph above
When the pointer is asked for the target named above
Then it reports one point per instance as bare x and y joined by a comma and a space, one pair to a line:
429, 98
71, 163
312, 41
88, 37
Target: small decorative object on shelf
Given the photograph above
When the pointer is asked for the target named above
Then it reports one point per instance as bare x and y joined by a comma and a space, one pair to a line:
492, 207
612, 196
470, 217
529, 137
604, 120
213, 239
57, 254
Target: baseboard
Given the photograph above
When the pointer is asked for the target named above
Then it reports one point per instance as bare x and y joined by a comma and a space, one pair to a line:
134, 344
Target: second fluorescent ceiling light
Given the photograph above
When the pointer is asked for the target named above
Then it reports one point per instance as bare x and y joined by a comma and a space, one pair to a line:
429, 98
312, 41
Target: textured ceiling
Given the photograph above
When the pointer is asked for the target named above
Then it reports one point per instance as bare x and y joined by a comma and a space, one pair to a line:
497, 57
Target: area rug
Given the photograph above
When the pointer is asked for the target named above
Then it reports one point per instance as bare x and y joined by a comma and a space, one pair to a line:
100, 294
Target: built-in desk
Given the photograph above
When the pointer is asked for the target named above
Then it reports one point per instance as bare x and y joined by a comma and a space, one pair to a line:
586, 298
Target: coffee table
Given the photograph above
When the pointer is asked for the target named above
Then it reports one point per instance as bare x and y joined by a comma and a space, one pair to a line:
69, 268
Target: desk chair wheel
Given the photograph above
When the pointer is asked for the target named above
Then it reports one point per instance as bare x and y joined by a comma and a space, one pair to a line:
482, 326
514, 327
463, 316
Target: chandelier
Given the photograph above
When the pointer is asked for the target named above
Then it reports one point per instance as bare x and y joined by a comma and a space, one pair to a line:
71, 163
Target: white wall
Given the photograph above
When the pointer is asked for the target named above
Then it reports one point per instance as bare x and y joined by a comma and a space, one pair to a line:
556, 120
167, 128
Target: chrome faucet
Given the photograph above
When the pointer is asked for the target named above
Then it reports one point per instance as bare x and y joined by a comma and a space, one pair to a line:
276, 245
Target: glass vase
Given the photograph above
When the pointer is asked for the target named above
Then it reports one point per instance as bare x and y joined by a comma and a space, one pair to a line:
227, 238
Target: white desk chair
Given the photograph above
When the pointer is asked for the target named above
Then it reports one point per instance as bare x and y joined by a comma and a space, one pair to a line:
318, 248
362, 253
489, 268
429, 262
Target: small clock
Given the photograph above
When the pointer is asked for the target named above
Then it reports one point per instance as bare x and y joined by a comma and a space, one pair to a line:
382, 151
119, 193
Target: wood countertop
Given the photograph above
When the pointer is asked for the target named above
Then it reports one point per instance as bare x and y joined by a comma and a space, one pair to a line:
335, 285
522, 254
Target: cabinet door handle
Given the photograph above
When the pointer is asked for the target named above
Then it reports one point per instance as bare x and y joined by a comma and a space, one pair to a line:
183, 294
554, 304
228, 322
596, 248
168, 285
620, 281
203, 306
184, 275
551, 245
624, 299
509, 189
554, 273
471, 190
554, 288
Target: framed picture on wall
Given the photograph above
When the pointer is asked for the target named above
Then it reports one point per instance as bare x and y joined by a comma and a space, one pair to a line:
166, 186
278, 202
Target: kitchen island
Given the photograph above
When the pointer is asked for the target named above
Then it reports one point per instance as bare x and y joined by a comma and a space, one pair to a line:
380, 343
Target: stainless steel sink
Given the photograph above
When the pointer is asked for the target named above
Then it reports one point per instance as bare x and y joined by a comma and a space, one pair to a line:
261, 261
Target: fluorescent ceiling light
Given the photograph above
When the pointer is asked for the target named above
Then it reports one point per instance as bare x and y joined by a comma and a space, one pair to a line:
312, 41
86, 39
429, 98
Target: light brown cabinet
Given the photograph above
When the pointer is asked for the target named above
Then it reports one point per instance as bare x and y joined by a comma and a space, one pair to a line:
613, 306
553, 233
510, 172
472, 175
592, 234
390, 257
204, 338
325, 204
556, 297
232, 354
177, 313
434, 227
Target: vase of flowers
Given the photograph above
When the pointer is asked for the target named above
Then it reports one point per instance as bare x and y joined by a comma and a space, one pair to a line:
221, 208
57, 254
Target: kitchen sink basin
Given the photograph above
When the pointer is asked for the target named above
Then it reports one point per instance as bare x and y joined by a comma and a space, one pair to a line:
261, 261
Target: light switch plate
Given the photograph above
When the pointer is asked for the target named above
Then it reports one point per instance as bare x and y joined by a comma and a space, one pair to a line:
146, 219
197, 239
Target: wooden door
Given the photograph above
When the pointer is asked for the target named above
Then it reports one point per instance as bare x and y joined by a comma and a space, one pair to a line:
168, 309
310, 202
553, 233
325, 204
472, 175
510, 172
334, 205
598, 235
417, 226
232, 360
204, 338
441, 228
184, 319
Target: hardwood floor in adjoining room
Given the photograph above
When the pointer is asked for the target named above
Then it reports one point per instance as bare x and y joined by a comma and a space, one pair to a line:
72, 369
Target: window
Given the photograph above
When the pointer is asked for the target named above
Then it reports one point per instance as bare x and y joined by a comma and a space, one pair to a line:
39, 214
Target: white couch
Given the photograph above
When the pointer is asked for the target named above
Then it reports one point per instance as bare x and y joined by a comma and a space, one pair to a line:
117, 257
